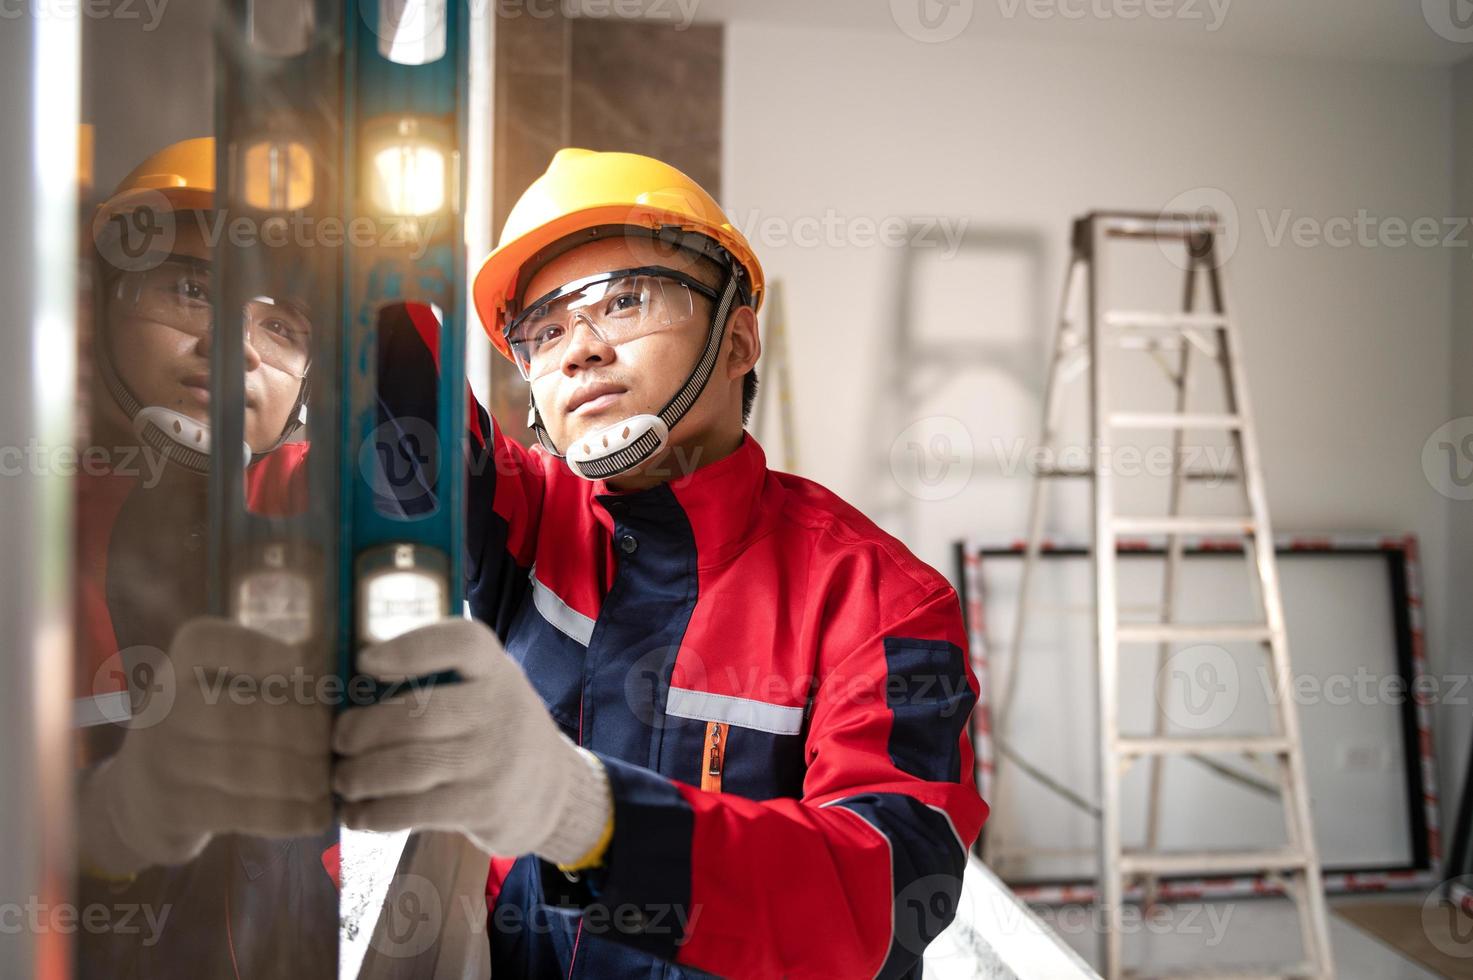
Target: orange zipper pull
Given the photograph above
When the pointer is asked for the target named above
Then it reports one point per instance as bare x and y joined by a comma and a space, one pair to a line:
715, 756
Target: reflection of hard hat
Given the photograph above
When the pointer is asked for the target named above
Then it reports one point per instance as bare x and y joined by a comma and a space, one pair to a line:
182, 173
582, 190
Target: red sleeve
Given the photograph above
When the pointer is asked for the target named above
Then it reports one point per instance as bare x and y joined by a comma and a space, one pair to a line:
857, 876
505, 486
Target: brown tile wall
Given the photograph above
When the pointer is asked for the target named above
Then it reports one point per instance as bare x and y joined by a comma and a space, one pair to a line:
602, 84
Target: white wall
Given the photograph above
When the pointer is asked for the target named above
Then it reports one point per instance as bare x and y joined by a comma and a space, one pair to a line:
1347, 349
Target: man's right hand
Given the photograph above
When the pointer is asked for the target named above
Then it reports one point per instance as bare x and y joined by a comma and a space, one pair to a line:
222, 759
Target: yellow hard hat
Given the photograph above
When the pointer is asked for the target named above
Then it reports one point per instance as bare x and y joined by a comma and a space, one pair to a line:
183, 173
584, 189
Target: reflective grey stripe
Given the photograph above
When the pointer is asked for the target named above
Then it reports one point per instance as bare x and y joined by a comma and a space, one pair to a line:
564, 618
777, 719
113, 708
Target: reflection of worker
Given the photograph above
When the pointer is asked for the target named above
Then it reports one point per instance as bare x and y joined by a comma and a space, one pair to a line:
728, 727
141, 515
160, 786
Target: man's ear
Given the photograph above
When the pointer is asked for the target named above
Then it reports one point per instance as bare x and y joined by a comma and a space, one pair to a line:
746, 343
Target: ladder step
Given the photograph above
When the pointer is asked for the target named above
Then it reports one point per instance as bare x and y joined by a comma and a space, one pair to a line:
1297, 971
1152, 320
1193, 632
1184, 525
1134, 862
1202, 745
1065, 472
1216, 476
1199, 473
1166, 225
1175, 420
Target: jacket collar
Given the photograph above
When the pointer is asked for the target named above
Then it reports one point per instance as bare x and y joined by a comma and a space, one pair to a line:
724, 501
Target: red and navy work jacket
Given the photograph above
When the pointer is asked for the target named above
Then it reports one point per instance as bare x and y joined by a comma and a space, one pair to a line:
779, 691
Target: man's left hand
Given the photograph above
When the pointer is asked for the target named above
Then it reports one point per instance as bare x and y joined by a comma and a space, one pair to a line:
481, 756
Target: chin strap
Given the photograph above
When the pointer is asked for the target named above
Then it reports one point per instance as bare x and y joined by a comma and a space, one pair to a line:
182, 440
619, 448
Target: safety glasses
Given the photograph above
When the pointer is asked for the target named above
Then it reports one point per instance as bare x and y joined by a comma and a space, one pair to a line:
617, 307
176, 294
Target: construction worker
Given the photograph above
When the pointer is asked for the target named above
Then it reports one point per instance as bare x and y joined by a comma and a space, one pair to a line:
222, 906
711, 716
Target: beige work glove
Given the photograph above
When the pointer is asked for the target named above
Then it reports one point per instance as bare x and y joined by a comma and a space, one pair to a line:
235, 746
481, 757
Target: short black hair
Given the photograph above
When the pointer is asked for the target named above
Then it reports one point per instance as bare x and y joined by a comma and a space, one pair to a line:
715, 276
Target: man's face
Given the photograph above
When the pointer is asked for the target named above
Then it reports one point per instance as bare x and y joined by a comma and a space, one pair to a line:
594, 384
169, 367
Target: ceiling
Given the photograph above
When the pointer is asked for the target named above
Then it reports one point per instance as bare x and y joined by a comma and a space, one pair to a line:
1392, 31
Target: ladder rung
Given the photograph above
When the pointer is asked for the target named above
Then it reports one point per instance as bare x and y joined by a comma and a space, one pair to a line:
1136, 341
1296, 971
1123, 225
1192, 632
1065, 472
1131, 746
1221, 476
1133, 862
1184, 525
1174, 420
1085, 473
1152, 320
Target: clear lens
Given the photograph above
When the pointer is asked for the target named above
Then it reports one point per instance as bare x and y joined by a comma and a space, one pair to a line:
617, 310
176, 293
281, 333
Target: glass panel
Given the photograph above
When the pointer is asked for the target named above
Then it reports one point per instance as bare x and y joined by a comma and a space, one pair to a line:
280, 28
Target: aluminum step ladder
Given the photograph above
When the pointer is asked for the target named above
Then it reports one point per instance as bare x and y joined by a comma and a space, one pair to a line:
1083, 338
